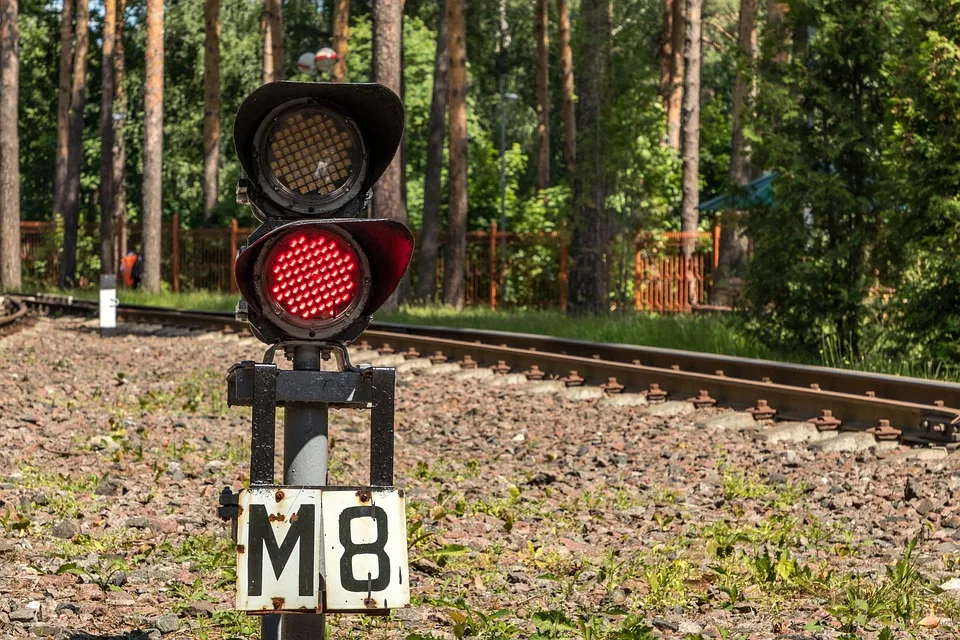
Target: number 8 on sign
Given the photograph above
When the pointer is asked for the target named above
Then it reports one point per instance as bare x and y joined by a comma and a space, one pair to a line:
365, 550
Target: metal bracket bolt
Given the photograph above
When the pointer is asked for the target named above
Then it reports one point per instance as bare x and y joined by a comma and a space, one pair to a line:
501, 368
883, 431
438, 358
572, 379
825, 421
655, 394
468, 362
611, 386
702, 400
386, 349
762, 411
410, 354
534, 373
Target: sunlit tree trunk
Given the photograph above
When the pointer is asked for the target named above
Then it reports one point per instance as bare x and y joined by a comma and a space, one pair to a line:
388, 200
273, 41
341, 34
690, 214
63, 106
9, 147
455, 250
119, 142
430, 231
569, 95
211, 106
776, 17
674, 101
71, 192
153, 147
108, 241
543, 94
590, 179
733, 242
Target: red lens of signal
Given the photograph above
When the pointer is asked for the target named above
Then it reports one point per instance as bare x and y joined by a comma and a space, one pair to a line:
312, 275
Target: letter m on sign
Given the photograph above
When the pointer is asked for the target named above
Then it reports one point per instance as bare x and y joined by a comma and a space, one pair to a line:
278, 554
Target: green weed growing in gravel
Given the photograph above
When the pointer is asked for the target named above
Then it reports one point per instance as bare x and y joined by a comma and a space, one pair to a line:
102, 575
667, 581
208, 555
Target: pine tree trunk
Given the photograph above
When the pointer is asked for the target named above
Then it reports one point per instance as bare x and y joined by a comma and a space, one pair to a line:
153, 147
108, 243
9, 147
63, 106
733, 244
590, 179
388, 200
455, 249
776, 17
675, 98
341, 33
430, 230
666, 53
71, 193
119, 142
569, 95
543, 94
211, 107
690, 215
273, 41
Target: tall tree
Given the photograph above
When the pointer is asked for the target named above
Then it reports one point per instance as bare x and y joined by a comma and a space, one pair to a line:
430, 229
63, 105
543, 94
690, 215
119, 141
9, 147
211, 106
733, 242
455, 249
341, 33
388, 196
566, 67
273, 41
776, 18
153, 147
671, 68
108, 244
71, 193
590, 178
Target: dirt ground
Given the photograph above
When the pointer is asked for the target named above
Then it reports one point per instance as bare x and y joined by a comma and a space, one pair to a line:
531, 515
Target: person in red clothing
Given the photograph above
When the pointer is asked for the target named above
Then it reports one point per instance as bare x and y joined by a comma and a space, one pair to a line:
131, 269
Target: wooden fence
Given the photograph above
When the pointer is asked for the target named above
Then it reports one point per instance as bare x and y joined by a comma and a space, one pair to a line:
502, 268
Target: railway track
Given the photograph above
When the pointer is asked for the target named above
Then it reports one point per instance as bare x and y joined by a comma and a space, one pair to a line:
890, 407
12, 311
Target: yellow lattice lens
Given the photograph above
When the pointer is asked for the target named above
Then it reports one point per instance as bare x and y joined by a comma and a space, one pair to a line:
311, 152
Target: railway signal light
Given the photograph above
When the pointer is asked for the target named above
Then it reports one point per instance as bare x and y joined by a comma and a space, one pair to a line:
310, 153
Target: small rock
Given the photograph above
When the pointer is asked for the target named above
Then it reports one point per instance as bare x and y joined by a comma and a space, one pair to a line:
118, 579
618, 400
845, 442
214, 467
733, 420
925, 506
103, 443
43, 630
108, 486
64, 529
199, 609
152, 634
691, 628
71, 607
167, 623
24, 614
665, 625
137, 522
541, 479
789, 432
41, 500
519, 437
428, 567
669, 409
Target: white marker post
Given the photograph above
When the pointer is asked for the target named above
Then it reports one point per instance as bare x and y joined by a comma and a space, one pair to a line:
108, 305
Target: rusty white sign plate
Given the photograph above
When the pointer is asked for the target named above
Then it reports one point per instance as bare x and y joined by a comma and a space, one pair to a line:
330, 549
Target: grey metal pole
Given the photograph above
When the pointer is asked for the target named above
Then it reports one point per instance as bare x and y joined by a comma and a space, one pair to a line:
304, 463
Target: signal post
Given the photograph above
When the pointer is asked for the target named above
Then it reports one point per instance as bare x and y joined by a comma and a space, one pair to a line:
311, 277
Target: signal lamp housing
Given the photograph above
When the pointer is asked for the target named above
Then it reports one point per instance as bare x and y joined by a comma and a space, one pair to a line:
314, 149
321, 280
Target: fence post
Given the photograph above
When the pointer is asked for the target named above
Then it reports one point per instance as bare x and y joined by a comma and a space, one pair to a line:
233, 255
564, 292
121, 237
176, 253
716, 243
637, 280
493, 265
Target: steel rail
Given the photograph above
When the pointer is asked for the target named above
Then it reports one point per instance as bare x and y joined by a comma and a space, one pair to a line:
20, 310
899, 404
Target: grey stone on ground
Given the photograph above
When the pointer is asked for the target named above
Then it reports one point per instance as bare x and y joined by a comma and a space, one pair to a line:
137, 522
790, 432
199, 609
732, 420
167, 623
623, 400
845, 442
506, 380
473, 374
24, 614
542, 386
64, 529
103, 443
44, 630
669, 409
582, 393
443, 368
